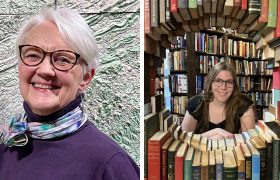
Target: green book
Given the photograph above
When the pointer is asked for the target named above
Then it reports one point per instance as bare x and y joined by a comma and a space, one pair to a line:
230, 166
171, 159
272, 17
188, 164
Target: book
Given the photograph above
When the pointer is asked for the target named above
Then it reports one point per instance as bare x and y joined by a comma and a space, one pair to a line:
230, 166
203, 143
179, 161
154, 154
157, 103
151, 126
219, 164
261, 147
171, 158
188, 170
204, 165
252, 13
192, 6
222, 144
196, 165
261, 21
272, 16
164, 152
195, 141
255, 161
212, 166
163, 114
240, 160
238, 139
248, 161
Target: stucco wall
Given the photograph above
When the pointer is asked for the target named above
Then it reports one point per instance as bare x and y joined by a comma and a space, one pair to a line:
113, 97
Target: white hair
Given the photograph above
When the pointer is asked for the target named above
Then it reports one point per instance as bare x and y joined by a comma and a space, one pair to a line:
73, 28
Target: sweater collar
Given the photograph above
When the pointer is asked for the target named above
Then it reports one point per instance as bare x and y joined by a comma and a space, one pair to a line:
32, 117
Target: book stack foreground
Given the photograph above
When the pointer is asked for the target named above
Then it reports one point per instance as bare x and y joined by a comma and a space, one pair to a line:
176, 154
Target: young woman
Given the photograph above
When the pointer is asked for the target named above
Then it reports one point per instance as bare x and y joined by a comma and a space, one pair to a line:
222, 110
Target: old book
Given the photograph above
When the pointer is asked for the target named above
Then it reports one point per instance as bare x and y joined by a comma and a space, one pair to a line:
171, 158
157, 103
272, 16
230, 166
229, 143
252, 13
200, 7
255, 160
214, 6
206, 4
228, 7
167, 123
204, 165
261, 147
192, 6
196, 140
220, 6
154, 153
219, 164
261, 21
240, 160
174, 10
162, 115
188, 138
183, 135
212, 166
238, 139
214, 144
236, 7
209, 145
203, 143
242, 9
164, 152
177, 132
196, 165
188, 170
151, 126
248, 161
222, 144
179, 161
183, 9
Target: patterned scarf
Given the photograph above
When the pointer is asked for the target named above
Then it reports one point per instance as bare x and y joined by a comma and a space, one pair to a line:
17, 129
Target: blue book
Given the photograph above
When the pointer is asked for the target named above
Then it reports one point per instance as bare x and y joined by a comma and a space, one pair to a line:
256, 161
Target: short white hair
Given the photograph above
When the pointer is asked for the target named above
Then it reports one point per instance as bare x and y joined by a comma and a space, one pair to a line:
73, 28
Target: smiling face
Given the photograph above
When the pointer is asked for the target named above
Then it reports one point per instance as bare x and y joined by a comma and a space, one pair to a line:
222, 93
44, 88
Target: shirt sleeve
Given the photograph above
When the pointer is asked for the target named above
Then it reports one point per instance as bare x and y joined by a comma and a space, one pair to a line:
194, 106
121, 167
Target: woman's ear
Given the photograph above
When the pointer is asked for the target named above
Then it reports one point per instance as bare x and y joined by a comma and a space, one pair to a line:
86, 79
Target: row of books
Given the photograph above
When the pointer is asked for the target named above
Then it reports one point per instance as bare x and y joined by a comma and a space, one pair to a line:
246, 67
178, 59
208, 43
206, 62
260, 98
178, 104
180, 43
179, 83
254, 83
241, 48
175, 154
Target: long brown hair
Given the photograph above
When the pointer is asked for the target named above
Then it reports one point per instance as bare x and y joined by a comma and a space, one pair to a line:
231, 106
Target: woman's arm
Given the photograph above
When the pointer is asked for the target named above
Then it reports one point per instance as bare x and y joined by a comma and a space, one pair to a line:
189, 123
248, 121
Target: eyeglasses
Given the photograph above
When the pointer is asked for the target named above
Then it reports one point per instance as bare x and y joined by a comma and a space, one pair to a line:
219, 82
62, 60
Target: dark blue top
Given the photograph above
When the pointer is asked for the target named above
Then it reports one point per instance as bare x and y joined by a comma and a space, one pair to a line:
196, 104
87, 154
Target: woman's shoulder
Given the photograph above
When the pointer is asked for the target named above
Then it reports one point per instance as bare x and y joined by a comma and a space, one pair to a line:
195, 102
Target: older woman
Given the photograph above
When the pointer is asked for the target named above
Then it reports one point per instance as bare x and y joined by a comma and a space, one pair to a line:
53, 138
222, 110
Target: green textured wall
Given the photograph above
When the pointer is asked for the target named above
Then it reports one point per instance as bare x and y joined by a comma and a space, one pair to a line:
113, 97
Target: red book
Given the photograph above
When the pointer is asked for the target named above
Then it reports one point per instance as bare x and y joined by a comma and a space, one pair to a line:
147, 17
179, 161
276, 78
264, 11
154, 154
277, 29
173, 5
164, 164
278, 110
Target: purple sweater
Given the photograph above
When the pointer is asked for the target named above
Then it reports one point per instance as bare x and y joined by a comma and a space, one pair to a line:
87, 154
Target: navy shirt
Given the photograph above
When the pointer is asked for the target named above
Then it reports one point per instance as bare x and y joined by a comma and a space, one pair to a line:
195, 108
87, 154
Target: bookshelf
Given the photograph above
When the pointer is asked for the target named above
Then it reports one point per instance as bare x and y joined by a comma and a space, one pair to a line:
254, 79
257, 25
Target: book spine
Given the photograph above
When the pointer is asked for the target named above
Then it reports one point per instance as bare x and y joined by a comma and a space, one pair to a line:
248, 167
277, 29
164, 164
171, 164
173, 6
275, 159
269, 166
212, 172
230, 173
219, 171
196, 173
188, 169
264, 11
154, 160
179, 168
256, 167
147, 17
154, 13
263, 163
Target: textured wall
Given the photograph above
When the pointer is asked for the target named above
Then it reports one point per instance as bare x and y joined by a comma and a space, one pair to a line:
113, 97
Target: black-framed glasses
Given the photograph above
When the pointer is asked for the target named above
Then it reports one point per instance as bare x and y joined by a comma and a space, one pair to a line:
219, 82
62, 60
